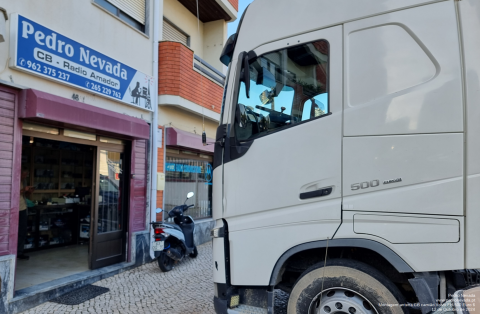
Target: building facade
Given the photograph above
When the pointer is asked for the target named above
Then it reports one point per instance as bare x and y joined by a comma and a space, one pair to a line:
83, 113
190, 88
77, 102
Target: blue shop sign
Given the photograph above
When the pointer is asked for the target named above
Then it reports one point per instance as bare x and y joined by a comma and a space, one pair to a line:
183, 168
39, 50
174, 167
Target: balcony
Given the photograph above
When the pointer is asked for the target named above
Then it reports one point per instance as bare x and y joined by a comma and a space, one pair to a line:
187, 81
212, 10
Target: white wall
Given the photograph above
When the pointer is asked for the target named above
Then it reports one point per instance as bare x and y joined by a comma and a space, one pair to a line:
91, 26
187, 22
215, 36
186, 121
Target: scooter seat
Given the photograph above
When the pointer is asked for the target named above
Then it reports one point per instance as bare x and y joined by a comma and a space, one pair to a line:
174, 226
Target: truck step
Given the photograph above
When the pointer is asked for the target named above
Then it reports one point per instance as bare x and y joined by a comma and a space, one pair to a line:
246, 309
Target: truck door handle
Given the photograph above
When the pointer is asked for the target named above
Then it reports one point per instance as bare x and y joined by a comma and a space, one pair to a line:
316, 193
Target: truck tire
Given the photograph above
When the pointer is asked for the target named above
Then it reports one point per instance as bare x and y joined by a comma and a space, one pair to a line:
349, 287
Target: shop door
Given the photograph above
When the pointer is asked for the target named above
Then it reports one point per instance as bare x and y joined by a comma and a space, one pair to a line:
109, 227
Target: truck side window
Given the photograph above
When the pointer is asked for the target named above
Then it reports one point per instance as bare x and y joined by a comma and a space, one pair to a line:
287, 87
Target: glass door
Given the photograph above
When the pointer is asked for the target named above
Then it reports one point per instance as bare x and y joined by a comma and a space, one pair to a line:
109, 212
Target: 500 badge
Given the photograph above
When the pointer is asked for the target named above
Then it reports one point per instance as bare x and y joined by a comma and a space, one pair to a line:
372, 184
365, 185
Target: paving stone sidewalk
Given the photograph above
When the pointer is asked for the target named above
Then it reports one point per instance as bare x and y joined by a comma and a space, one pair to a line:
188, 288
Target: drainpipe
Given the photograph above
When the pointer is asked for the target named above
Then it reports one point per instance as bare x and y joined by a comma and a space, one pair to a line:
157, 14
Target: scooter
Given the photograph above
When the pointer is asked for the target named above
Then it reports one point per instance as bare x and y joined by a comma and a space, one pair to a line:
173, 241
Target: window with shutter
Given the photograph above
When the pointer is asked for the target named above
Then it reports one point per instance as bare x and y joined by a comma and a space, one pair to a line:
132, 12
173, 33
134, 8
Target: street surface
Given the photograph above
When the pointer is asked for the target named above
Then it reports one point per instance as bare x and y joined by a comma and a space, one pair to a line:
187, 289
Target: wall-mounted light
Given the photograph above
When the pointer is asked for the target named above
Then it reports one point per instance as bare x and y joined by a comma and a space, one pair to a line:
110, 140
31, 139
80, 135
39, 128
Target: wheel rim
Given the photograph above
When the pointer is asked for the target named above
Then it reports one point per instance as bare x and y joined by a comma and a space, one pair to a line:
341, 301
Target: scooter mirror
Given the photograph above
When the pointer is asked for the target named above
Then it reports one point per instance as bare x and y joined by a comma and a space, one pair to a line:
190, 195
159, 210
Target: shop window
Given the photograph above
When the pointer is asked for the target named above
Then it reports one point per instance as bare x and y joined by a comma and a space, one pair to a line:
287, 87
132, 12
61, 175
55, 168
189, 173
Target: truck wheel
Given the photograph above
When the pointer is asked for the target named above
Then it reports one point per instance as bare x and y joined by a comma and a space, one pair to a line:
349, 287
165, 263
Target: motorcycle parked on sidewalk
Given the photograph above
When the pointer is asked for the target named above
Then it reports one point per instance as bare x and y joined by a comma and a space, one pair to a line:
173, 241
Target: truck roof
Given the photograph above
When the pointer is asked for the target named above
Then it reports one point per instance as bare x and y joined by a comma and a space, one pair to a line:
271, 20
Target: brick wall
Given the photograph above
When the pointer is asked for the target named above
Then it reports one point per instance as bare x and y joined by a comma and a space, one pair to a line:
177, 77
234, 3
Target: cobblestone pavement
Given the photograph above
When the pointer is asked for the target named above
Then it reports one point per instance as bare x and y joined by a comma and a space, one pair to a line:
188, 288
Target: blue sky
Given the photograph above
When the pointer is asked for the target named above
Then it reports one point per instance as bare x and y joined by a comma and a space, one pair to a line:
242, 4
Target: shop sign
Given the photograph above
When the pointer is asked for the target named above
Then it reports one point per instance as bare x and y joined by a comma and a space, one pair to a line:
191, 169
40, 51
183, 168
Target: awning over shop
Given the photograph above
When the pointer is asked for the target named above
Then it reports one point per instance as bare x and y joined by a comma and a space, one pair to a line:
44, 107
180, 138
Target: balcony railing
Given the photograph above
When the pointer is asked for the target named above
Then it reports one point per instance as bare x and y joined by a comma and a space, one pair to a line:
208, 70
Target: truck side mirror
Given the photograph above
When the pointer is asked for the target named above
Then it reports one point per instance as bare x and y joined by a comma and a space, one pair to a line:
227, 53
251, 55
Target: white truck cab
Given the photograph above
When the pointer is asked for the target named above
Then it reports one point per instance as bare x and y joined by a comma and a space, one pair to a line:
347, 160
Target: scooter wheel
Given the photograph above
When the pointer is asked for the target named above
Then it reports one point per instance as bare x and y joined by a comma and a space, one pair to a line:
194, 252
165, 263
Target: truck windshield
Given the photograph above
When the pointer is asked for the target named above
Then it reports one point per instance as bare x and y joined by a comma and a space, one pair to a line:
287, 87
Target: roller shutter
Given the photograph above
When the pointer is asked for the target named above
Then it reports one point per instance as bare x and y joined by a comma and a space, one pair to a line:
170, 32
134, 8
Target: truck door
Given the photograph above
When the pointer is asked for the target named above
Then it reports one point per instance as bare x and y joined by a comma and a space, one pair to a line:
282, 158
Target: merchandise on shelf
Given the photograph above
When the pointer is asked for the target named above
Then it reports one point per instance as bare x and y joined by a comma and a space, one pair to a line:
44, 225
